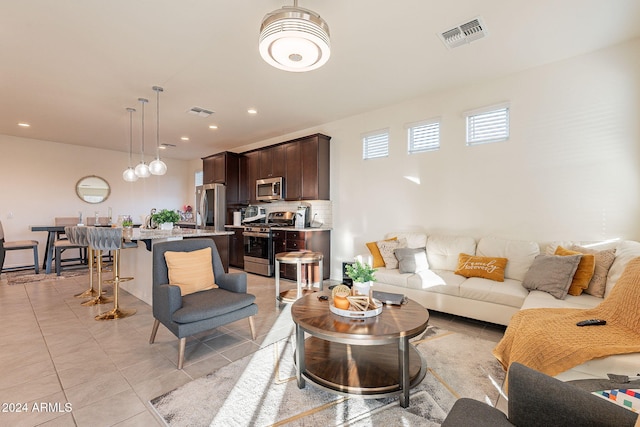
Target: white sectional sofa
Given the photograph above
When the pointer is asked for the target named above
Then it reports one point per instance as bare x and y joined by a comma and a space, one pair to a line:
439, 288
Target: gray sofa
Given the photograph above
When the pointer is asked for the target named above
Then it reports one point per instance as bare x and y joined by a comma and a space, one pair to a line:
536, 399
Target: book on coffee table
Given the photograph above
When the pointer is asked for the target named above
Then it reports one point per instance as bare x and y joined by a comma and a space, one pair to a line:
389, 298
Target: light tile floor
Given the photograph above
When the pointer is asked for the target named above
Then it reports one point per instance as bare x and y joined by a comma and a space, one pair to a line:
53, 353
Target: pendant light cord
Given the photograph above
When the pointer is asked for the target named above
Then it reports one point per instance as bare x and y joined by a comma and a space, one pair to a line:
158, 89
131, 111
142, 101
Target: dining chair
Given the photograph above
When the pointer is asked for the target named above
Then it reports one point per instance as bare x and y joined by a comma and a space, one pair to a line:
17, 246
62, 243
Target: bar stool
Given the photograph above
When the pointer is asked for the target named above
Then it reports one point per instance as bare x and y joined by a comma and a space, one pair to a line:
78, 236
110, 239
71, 242
97, 254
299, 258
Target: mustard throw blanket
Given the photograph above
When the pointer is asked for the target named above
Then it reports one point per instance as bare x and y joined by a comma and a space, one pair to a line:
548, 340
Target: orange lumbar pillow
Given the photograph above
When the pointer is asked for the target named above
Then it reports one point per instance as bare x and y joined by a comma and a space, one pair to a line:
191, 271
479, 266
583, 274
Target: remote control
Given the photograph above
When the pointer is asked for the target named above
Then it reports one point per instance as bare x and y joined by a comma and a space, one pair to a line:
591, 322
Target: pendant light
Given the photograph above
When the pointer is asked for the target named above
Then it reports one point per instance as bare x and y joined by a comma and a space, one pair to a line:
157, 167
129, 174
294, 39
142, 170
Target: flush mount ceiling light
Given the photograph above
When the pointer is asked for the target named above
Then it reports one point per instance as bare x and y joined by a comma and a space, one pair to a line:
294, 39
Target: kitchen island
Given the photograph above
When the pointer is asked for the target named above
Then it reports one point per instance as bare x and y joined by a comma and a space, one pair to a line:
138, 262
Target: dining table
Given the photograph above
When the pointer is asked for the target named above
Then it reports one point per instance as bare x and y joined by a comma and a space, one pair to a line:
53, 231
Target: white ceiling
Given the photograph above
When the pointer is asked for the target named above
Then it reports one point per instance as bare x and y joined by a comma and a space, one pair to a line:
71, 67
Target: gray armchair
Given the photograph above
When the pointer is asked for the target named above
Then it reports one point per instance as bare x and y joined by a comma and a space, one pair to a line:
201, 311
536, 399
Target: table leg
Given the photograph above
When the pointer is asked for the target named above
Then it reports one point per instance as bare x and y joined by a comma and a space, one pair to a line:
300, 356
48, 259
321, 273
403, 361
277, 283
299, 279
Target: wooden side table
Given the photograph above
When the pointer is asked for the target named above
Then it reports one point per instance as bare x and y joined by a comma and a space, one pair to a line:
299, 258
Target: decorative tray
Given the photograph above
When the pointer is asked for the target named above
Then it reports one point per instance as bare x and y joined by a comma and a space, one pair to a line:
356, 314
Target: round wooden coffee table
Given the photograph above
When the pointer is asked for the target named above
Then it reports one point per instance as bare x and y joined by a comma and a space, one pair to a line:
371, 356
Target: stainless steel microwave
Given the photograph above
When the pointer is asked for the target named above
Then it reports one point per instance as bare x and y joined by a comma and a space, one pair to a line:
270, 189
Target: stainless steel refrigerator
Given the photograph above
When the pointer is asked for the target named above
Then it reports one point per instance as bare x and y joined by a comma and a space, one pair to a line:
211, 206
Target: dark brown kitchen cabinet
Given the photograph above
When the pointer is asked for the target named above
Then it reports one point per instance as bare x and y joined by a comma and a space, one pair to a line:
223, 168
307, 168
314, 153
243, 182
303, 162
293, 171
272, 162
298, 240
236, 248
214, 169
253, 168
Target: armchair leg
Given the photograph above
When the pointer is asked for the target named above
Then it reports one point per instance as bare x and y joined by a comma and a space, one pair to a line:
154, 330
183, 342
253, 328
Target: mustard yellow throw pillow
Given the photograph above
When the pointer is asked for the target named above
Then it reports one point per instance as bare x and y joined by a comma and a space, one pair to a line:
192, 271
378, 261
583, 274
491, 268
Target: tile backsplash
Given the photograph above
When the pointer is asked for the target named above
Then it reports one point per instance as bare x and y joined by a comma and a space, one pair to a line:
321, 210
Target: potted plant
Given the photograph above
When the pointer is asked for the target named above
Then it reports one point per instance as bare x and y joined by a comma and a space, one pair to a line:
362, 275
165, 219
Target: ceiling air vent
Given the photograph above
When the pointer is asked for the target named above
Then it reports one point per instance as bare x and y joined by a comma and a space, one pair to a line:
201, 112
463, 33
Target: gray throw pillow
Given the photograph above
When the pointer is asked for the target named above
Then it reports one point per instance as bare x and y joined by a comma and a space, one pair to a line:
412, 260
552, 274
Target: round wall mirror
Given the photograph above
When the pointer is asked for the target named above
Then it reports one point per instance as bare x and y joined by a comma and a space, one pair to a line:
93, 189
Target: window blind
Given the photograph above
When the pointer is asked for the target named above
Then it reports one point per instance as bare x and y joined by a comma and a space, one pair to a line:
375, 145
424, 136
489, 125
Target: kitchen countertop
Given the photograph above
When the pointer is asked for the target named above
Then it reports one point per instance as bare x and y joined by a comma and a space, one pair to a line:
143, 233
282, 228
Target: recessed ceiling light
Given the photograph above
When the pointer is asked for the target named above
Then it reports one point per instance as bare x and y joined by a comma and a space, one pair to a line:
24, 125
213, 126
184, 138
252, 111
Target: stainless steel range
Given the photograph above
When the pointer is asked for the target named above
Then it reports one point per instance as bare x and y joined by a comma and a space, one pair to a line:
258, 242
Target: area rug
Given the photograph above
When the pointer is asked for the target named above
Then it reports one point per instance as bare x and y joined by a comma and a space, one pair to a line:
260, 390
22, 277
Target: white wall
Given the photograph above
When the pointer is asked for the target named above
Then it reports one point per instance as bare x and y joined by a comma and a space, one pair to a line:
38, 180
570, 170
